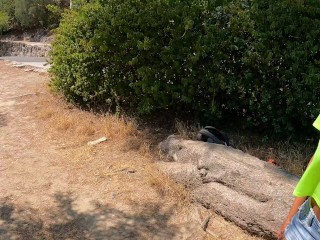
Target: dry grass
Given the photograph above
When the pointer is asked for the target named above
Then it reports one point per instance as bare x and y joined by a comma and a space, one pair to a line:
123, 136
291, 155
166, 186
224, 230
82, 125
119, 127
185, 130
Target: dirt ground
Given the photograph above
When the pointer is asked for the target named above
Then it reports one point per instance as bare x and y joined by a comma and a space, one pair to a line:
54, 186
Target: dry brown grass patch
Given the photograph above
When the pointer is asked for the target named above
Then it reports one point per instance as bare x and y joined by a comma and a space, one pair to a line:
185, 130
81, 154
45, 114
291, 155
119, 127
166, 186
145, 149
82, 125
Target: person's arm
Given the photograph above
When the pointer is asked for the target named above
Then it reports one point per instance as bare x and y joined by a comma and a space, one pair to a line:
293, 210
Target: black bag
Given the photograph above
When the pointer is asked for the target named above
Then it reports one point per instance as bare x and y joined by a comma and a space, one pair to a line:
213, 135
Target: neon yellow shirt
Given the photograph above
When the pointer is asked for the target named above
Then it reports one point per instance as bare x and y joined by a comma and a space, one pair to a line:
316, 123
309, 184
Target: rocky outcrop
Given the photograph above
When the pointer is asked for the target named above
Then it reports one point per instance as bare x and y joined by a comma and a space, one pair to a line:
253, 194
26, 49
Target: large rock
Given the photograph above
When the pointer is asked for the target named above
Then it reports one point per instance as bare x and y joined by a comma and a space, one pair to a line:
252, 193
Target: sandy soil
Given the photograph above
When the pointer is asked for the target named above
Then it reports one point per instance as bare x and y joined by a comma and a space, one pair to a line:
53, 186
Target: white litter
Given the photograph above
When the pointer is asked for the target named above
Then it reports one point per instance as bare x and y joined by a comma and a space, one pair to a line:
95, 142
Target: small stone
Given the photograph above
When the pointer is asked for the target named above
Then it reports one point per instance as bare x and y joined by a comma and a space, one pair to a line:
113, 195
203, 172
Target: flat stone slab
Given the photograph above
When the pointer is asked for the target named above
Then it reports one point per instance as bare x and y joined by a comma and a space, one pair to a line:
253, 194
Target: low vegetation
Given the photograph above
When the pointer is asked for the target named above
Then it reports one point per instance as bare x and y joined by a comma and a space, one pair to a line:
253, 64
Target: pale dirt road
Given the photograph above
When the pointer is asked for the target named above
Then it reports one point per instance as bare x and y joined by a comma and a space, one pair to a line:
39, 62
53, 186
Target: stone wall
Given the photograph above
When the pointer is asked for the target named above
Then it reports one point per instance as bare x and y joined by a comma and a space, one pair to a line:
26, 49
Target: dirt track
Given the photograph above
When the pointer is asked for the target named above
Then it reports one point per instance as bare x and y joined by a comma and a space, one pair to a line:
53, 187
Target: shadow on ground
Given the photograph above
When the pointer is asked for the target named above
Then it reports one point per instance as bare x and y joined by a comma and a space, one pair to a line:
103, 222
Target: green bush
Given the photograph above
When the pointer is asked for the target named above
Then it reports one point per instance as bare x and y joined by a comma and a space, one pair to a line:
4, 22
278, 84
28, 14
32, 13
257, 61
7, 7
78, 65
146, 53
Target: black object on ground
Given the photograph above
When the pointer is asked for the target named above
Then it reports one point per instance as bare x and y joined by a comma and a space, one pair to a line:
213, 135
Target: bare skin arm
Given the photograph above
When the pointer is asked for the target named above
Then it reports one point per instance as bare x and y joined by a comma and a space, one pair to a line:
298, 201
293, 210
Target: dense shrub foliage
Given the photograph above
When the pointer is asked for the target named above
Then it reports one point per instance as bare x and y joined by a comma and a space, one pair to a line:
281, 78
28, 14
4, 22
257, 61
